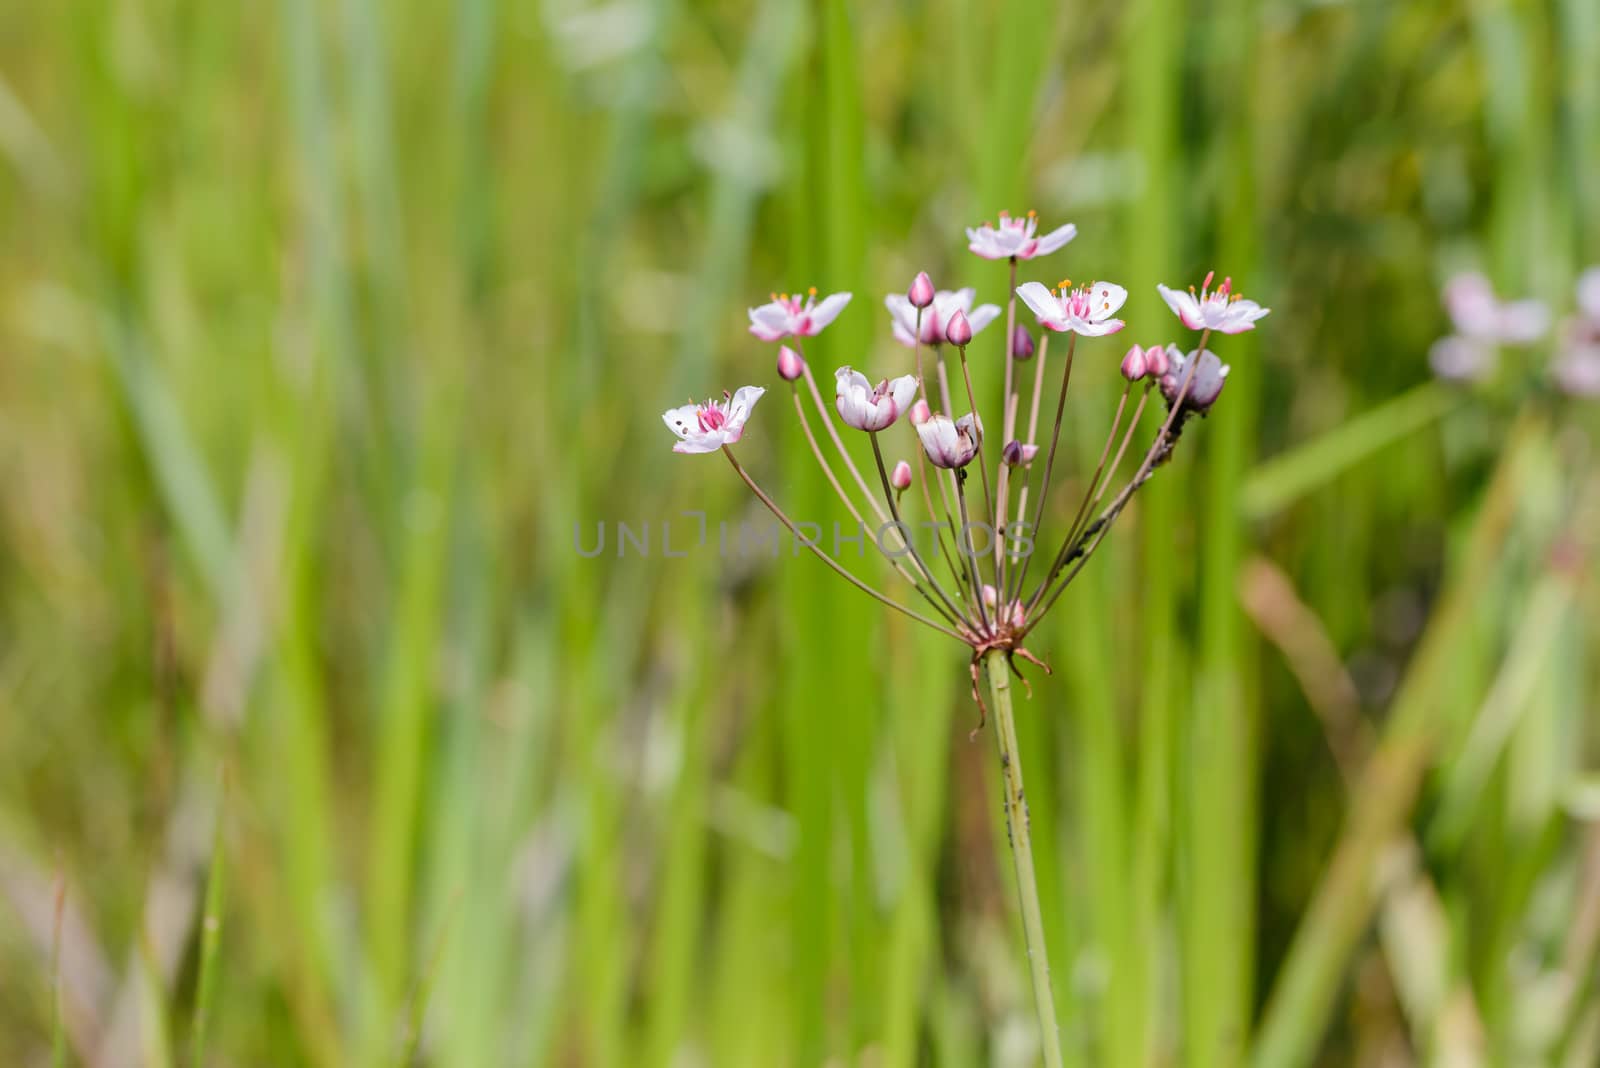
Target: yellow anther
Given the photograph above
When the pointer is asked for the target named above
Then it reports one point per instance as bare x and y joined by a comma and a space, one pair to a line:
812, 291
1032, 214
784, 297
1066, 283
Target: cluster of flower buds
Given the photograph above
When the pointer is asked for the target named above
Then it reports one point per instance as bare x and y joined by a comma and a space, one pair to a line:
981, 596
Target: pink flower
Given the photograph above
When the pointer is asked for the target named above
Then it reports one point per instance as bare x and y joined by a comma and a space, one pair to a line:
1222, 310
1086, 310
921, 292
708, 427
1205, 385
951, 444
868, 407
1479, 315
900, 477
1014, 238
937, 315
787, 316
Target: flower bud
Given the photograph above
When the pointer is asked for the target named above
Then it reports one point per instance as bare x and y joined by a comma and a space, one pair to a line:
1016, 454
1135, 365
920, 413
790, 365
921, 291
900, 478
1021, 343
1157, 361
958, 331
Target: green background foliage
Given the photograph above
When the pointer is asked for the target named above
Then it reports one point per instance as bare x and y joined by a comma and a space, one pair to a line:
323, 326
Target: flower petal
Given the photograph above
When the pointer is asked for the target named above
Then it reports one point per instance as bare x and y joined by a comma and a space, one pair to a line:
682, 421
903, 312
904, 391
827, 311
1055, 239
1106, 298
744, 401
700, 443
982, 316
1040, 301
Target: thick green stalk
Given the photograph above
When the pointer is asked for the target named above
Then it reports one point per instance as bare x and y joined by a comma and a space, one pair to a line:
1005, 732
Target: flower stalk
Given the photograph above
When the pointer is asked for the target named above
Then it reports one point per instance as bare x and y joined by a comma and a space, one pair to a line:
1016, 800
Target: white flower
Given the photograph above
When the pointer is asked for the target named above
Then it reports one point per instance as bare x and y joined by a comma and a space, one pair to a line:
868, 407
1087, 310
1479, 315
936, 316
1221, 310
1014, 238
787, 316
708, 427
951, 444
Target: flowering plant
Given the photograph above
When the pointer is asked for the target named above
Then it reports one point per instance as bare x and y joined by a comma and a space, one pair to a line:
980, 595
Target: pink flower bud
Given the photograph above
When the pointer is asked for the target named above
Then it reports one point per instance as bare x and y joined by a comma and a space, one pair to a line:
1157, 362
1135, 365
900, 478
790, 365
958, 331
921, 292
1021, 343
1016, 454
920, 413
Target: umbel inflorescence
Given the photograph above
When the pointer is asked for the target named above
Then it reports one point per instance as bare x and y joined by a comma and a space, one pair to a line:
976, 575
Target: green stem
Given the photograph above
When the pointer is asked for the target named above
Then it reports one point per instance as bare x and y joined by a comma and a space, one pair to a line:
1005, 732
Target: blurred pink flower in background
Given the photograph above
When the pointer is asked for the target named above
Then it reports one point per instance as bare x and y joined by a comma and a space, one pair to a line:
1015, 238
788, 316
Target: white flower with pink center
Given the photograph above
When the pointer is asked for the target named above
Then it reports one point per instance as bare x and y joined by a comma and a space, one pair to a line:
936, 316
1219, 309
1087, 310
795, 316
1016, 238
868, 407
951, 443
708, 427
